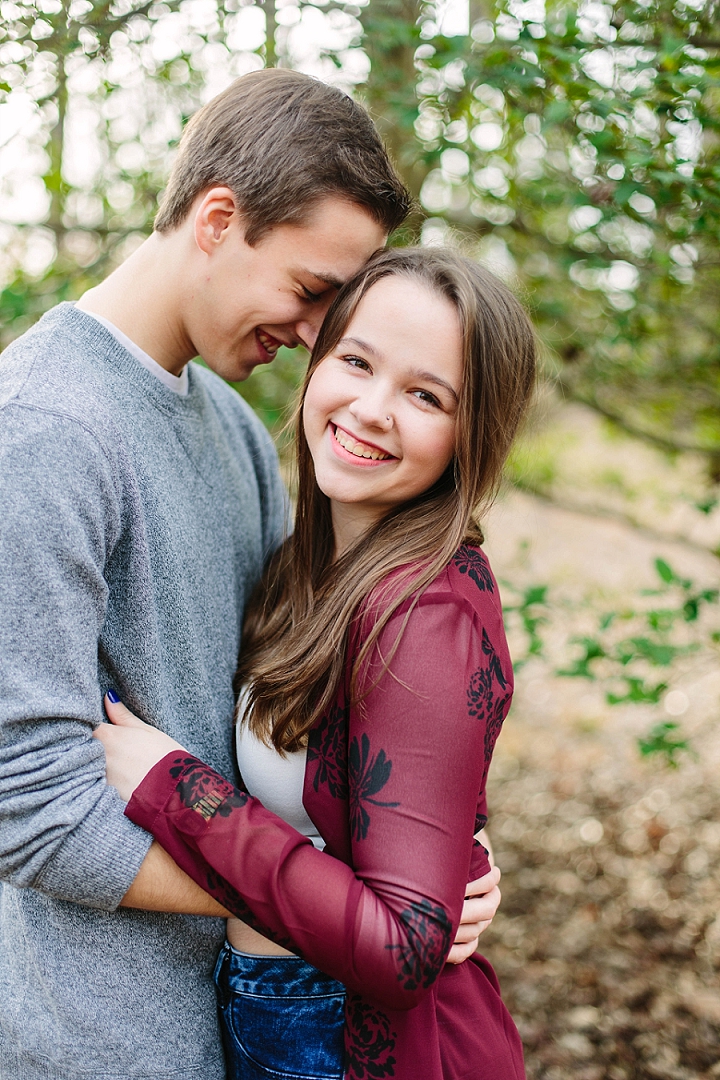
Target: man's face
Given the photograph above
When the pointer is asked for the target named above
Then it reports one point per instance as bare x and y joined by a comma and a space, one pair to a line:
248, 301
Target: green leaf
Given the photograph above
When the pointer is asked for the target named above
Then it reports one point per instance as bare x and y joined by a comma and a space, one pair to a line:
637, 692
665, 571
661, 739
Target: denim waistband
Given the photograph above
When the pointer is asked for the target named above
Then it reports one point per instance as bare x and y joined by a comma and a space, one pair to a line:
273, 976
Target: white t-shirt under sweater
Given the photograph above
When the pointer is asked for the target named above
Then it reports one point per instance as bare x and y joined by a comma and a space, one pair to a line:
177, 383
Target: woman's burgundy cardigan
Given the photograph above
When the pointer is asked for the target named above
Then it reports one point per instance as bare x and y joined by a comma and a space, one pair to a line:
396, 788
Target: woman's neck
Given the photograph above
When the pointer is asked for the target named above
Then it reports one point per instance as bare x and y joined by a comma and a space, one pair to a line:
350, 521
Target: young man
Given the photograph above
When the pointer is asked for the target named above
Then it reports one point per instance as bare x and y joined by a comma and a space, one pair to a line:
139, 498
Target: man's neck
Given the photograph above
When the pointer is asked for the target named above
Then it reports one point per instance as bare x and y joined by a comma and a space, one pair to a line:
143, 298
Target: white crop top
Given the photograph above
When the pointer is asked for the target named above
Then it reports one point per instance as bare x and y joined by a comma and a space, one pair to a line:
276, 781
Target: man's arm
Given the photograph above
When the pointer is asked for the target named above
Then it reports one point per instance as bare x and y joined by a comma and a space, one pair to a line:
62, 829
162, 886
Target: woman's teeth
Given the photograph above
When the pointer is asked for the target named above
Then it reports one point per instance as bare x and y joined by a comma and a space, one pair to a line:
359, 449
269, 344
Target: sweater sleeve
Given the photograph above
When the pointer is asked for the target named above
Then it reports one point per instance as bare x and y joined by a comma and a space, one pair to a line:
62, 829
412, 772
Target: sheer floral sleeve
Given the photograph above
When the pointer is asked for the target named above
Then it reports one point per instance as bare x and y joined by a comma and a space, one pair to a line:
394, 786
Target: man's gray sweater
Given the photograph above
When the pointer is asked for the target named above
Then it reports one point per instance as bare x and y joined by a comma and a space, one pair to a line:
133, 524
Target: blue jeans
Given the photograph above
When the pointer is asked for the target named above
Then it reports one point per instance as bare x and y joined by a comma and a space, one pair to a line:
281, 1019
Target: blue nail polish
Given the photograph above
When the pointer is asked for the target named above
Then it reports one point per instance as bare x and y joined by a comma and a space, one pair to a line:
112, 696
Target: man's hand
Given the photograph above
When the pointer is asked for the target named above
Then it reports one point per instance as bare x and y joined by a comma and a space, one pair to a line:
481, 902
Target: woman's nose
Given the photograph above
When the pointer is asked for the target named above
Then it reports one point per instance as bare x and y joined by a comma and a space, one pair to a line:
373, 410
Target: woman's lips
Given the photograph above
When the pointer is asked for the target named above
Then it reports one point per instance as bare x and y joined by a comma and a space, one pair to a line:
348, 448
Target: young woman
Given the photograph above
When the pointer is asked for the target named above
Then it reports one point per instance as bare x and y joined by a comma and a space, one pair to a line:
375, 678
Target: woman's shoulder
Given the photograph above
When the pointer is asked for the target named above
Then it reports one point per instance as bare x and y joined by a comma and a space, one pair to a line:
466, 583
468, 574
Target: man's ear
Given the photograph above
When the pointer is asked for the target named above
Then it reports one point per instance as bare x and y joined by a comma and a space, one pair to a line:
216, 215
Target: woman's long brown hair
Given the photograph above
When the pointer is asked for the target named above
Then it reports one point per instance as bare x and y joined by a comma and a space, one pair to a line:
296, 631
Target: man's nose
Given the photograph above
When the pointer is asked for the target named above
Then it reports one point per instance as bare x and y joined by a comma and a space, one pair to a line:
307, 332
307, 328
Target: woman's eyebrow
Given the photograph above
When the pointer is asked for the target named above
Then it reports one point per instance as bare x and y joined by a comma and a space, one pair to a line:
366, 346
414, 373
429, 377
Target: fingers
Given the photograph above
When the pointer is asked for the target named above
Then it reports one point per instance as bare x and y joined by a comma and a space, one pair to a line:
485, 884
459, 953
119, 713
100, 733
481, 908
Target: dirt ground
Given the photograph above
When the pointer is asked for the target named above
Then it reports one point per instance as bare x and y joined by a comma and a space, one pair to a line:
607, 943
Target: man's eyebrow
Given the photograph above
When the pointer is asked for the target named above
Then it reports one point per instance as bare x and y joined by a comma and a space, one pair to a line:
327, 279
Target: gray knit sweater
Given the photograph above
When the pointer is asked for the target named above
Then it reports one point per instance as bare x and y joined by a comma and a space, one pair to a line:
133, 524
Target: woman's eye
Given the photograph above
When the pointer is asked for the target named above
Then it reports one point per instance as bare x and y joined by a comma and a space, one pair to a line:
357, 362
311, 296
428, 398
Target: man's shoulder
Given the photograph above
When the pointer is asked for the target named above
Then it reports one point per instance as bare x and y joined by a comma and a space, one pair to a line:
51, 368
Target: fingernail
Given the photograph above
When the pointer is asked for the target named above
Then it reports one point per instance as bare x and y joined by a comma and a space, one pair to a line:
112, 696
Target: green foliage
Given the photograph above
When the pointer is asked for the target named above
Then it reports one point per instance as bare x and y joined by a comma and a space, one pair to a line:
578, 153
591, 650
692, 600
131, 73
662, 740
530, 609
271, 390
625, 657
624, 665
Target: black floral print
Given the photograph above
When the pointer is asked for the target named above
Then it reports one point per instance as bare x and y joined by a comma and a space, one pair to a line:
327, 744
428, 932
472, 562
369, 1041
368, 775
493, 660
202, 790
488, 696
480, 693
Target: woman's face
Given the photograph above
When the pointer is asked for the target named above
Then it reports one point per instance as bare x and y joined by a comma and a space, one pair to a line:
380, 409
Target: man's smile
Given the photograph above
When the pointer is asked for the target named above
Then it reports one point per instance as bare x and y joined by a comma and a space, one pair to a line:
269, 344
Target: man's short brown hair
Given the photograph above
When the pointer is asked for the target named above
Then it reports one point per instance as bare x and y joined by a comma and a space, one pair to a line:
281, 141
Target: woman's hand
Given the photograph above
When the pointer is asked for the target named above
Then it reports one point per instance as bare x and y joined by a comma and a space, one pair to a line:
481, 902
131, 747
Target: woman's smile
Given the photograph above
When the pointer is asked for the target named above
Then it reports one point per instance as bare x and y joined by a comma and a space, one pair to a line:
356, 451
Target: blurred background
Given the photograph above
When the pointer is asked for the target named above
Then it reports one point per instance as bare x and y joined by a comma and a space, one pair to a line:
574, 149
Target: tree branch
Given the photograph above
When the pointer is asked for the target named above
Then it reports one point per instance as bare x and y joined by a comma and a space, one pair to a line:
619, 517
670, 445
